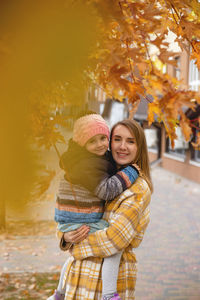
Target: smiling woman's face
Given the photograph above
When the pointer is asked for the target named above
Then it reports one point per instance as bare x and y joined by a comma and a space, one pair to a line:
123, 145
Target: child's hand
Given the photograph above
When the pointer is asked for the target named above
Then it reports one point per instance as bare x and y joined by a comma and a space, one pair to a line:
76, 236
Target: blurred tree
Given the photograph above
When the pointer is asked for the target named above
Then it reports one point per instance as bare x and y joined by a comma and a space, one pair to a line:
44, 50
50, 51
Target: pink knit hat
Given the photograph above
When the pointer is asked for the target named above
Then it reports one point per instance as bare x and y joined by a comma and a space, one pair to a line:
88, 126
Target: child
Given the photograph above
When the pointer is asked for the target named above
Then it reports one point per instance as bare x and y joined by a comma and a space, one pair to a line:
91, 178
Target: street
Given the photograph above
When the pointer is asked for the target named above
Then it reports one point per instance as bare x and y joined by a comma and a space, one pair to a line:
169, 257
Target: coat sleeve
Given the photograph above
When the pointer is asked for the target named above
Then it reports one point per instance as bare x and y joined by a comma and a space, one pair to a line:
125, 225
111, 187
93, 175
64, 246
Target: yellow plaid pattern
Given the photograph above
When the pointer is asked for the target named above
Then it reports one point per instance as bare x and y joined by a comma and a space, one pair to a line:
128, 216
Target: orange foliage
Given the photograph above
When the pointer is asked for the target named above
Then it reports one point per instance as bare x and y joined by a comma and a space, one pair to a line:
124, 63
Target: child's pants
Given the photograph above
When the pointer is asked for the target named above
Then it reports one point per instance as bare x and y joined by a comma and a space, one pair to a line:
110, 271
62, 273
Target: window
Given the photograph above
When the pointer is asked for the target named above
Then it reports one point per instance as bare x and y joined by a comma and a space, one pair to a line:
151, 138
197, 155
180, 145
194, 83
194, 76
177, 69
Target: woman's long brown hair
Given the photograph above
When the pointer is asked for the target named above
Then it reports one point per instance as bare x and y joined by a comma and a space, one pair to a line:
142, 158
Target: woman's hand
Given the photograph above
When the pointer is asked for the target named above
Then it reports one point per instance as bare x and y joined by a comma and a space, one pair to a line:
77, 235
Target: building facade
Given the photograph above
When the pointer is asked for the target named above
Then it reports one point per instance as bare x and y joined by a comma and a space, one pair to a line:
183, 159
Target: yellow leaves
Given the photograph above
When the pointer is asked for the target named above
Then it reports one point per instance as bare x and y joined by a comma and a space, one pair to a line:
195, 11
180, 31
49, 136
158, 41
129, 70
185, 126
42, 183
169, 110
135, 90
143, 67
153, 109
157, 84
189, 28
45, 116
31, 285
196, 52
116, 72
165, 56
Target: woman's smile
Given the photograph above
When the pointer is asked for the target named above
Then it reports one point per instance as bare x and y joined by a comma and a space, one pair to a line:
122, 155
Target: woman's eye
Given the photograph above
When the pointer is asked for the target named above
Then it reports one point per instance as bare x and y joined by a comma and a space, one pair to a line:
116, 139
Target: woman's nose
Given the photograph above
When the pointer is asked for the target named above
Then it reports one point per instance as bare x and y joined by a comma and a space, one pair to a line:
123, 145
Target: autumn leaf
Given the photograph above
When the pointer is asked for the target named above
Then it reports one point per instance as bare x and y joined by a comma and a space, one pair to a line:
196, 52
165, 56
117, 71
153, 110
185, 126
197, 144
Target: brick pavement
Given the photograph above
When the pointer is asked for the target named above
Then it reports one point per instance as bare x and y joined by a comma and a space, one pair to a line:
168, 258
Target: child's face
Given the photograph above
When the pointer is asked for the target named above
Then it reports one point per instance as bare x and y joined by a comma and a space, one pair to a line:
98, 144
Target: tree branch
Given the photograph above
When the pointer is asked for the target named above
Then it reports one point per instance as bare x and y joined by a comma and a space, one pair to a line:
147, 50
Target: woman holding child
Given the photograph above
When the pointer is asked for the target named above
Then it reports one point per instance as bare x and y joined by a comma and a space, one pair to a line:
128, 217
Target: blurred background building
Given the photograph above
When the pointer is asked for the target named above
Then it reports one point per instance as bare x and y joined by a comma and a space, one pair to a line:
183, 159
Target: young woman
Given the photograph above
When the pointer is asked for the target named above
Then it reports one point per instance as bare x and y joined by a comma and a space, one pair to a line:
128, 216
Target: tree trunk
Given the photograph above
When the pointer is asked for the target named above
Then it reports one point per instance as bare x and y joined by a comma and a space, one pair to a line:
107, 108
2, 214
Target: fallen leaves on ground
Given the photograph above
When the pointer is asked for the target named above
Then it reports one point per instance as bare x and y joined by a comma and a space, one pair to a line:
28, 286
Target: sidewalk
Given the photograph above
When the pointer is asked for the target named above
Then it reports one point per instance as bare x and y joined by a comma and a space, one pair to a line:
168, 258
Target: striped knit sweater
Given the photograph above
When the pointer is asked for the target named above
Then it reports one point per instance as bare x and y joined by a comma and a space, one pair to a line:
86, 208
89, 181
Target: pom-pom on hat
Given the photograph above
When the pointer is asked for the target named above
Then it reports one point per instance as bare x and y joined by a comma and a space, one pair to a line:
88, 126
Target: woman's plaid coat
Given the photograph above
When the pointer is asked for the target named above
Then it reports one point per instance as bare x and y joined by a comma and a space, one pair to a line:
128, 216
